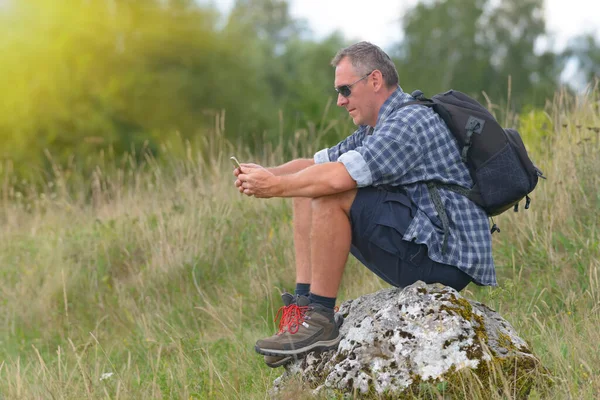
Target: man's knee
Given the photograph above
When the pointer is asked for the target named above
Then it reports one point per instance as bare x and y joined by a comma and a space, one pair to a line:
342, 200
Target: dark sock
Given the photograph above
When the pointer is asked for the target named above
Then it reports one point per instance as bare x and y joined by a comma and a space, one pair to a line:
328, 302
302, 289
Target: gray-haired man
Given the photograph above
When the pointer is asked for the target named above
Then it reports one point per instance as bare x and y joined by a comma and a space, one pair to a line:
367, 196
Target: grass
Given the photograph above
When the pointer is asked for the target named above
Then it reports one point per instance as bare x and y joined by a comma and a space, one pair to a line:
153, 280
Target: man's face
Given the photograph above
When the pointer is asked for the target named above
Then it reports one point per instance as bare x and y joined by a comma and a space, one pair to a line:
360, 102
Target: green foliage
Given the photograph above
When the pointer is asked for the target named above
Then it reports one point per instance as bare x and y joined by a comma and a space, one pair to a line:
87, 75
440, 48
535, 128
82, 79
475, 46
585, 49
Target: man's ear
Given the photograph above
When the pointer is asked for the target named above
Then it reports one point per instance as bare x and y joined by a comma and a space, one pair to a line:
377, 79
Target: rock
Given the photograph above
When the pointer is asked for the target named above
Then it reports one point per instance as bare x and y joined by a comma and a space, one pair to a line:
398, 340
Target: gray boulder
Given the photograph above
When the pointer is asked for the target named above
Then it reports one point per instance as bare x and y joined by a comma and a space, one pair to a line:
405, 340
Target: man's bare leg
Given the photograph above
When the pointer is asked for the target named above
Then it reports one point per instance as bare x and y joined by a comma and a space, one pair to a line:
328, 245
330, 241
302, 223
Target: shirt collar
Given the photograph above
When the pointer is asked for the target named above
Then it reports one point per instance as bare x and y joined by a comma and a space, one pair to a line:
396, 99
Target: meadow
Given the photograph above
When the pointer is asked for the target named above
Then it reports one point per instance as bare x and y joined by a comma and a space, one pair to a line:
153, 280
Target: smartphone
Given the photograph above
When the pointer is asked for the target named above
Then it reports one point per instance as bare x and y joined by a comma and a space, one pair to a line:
235, 162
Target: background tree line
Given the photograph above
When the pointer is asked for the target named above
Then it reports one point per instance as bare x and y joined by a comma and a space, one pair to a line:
80, 76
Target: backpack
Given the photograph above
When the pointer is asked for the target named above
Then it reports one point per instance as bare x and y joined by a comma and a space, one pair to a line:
501, 170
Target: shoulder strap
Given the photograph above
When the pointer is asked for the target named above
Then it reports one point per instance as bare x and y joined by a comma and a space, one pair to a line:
432, 188
427, 103
439, 207
421, 100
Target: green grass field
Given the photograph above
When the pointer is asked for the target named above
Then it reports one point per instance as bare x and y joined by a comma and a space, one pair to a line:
151, 281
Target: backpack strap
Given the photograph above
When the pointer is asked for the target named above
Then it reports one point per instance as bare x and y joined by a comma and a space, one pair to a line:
439, 207
427, 103
434, 193
432, 186
474, 125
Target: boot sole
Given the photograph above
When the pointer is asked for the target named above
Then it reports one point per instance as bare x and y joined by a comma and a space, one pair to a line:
284, 361
322, 345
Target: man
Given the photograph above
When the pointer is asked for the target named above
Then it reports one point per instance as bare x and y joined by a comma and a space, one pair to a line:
368, 196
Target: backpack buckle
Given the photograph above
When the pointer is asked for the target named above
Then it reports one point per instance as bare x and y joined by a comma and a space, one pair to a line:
474, 125
417, 94
494, 229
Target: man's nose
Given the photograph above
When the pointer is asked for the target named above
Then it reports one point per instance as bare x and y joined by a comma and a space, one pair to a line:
341, 100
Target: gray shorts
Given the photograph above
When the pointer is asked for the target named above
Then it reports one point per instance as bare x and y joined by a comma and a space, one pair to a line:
379, 219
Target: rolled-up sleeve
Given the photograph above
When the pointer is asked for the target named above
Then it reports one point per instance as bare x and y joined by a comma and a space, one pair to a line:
357, 168
321, 156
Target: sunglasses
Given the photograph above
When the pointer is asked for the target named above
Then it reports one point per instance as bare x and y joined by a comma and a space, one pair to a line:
345, 91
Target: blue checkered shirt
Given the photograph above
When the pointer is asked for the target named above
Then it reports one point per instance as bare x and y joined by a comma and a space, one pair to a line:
408, 147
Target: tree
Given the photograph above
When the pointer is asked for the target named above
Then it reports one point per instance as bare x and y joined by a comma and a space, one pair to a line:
474, 46
294, 70
81, 76
269, 20
442, 46
513, 28
585, 50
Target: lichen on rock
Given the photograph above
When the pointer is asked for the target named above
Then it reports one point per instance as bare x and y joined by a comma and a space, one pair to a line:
396, 339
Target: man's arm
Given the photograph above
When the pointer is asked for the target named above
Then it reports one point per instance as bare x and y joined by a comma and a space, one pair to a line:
291, 167
293, 183
315, 181
318, 180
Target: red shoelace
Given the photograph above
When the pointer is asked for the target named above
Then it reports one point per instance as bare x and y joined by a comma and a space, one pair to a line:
291, 318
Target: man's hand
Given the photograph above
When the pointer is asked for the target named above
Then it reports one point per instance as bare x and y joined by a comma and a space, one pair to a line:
256, 181
236, 171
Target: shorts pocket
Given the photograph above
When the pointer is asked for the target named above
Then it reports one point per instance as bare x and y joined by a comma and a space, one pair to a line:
391, 223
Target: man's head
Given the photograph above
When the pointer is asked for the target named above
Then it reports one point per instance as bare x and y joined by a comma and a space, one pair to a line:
364, 78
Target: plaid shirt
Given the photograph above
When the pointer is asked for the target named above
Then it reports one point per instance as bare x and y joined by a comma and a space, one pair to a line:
408, 147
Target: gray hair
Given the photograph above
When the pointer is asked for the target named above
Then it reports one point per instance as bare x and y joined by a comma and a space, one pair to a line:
366, 57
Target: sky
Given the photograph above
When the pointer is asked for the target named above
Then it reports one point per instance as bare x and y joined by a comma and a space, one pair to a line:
364, 19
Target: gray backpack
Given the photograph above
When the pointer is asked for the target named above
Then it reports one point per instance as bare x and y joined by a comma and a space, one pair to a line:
502, 172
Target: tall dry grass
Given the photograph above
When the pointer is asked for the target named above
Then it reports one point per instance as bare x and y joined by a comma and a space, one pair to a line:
153, 280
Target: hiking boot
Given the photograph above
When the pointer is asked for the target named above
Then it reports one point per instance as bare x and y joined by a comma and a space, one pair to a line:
279, 361
303, 328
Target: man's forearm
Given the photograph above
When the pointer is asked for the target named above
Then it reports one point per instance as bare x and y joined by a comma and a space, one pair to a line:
292, 167
319, 180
